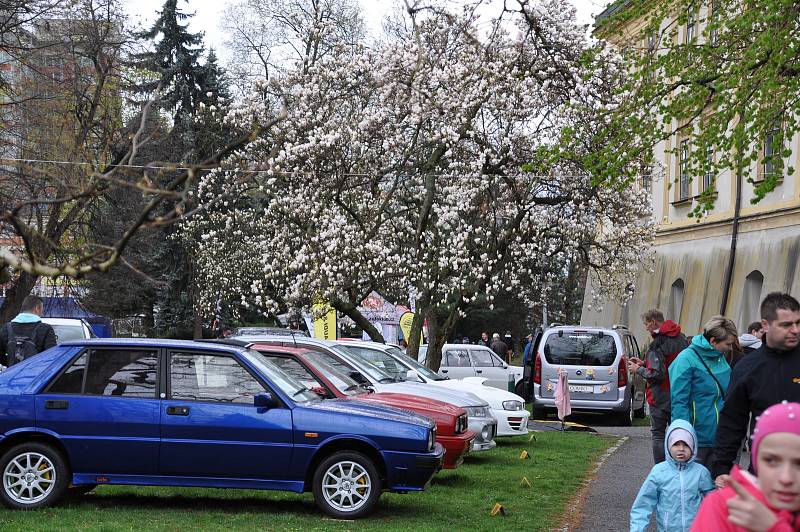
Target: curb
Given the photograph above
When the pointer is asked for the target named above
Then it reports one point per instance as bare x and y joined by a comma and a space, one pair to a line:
579, 499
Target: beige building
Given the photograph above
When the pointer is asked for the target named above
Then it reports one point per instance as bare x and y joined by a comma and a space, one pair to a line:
691, 257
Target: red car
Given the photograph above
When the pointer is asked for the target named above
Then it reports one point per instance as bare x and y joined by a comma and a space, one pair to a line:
310, 368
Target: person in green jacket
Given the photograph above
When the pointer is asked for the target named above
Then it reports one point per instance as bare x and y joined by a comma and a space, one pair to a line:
699, 379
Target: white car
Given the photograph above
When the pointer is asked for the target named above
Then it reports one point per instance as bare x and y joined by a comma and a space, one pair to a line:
70, 329
507, 407
460, 361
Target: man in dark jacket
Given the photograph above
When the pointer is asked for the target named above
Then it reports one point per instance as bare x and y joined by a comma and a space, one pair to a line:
668, 342
498, 346
765, 377
27, 330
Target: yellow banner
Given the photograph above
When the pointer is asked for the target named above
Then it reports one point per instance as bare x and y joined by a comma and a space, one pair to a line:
405, 325
324, 321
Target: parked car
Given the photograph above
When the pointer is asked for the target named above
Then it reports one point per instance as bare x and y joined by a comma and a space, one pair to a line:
466, 360
180, 413
507, 407
271, 331
479, 415
67, 329
310, 368
596, 359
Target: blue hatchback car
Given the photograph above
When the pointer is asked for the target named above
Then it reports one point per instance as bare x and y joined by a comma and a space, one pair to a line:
180, 413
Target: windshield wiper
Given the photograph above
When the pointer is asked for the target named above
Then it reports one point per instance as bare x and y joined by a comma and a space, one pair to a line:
351, 387
301, 390
387, 380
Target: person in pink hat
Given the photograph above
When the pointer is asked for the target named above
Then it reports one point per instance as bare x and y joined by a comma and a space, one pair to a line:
769, 501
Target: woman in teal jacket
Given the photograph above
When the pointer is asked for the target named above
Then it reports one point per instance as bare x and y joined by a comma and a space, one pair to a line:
674, 488
699, 379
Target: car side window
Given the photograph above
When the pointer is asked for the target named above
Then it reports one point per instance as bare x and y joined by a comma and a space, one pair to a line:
121, 372
296, 370
485, 359
636, 351
71, 380
457, 358
211, 378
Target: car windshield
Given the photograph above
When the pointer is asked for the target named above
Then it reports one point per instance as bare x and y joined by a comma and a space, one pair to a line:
338, 379
426, 372
65, 333
286, 383
579, 348
362, 365
382, 360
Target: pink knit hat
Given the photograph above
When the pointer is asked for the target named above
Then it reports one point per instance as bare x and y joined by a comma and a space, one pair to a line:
783, 417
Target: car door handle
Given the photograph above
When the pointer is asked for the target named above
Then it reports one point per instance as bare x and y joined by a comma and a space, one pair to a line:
56, 405
177, 410
444, 371
478, 371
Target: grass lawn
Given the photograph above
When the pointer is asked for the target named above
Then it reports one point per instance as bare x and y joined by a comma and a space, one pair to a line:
457, 500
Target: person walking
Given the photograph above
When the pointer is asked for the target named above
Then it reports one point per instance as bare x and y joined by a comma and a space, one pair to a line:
765, 377
699, 379
752, 339
26, 334
668, 342
498, 346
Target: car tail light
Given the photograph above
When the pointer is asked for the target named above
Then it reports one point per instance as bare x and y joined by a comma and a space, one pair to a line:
537, 369
622, 377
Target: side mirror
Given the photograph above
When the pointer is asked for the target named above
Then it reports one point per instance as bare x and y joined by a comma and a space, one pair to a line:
505, 366
411, 375
265, 400
319, 390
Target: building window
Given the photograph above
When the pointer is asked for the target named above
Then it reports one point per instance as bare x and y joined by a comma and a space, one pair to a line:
714, 20
772, 152
683, 168
751, 298
646, 178
708, 176
691, 24
676, 300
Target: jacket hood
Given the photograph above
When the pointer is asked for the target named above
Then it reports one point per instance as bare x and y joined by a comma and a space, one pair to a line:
748, 340
669, 328
680, 424
701, 346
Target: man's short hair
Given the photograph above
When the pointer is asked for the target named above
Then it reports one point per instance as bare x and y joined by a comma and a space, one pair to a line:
754, 327
31, 303
496, 335
653, 315
775, 301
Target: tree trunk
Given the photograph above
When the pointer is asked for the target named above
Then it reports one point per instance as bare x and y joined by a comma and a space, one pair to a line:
351, 311
422, 305
18, 291
438, 333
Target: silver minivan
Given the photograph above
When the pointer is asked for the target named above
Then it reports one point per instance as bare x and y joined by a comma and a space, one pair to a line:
596, 361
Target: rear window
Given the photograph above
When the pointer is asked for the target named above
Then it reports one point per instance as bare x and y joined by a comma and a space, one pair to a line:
580, 349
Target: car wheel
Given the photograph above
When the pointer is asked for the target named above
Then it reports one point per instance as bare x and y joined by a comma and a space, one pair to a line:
625, 418
538, 412
347, 485
34, 476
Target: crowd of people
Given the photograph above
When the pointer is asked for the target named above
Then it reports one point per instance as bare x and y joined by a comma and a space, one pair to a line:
725, 423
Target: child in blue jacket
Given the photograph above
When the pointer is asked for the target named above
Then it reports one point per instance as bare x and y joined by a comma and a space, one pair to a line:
674, 488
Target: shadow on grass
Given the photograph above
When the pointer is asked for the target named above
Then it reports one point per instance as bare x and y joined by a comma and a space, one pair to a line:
450, 480
184, 502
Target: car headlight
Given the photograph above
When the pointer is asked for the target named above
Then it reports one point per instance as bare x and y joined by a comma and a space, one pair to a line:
477, 411
461, 423
431, 439
512, 405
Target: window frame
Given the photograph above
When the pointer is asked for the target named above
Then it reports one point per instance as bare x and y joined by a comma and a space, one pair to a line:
708, 176
691, 24
684, 182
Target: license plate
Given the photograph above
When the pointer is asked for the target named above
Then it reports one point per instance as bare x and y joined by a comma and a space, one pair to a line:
581, 389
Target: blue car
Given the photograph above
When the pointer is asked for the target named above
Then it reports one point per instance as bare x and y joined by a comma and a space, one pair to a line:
179, 413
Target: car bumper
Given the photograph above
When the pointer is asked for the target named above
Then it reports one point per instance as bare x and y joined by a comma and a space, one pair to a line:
621, 404
412, 471
511, 422
485, 429
456, 447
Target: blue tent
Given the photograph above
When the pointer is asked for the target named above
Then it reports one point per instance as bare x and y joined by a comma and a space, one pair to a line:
68, 307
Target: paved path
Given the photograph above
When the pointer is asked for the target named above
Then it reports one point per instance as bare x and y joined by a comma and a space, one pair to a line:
608, 503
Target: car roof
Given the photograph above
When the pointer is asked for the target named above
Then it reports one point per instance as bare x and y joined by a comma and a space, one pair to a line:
63, 321
153, 342
272, 348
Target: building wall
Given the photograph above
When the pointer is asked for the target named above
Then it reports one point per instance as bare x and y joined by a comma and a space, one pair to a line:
694, 253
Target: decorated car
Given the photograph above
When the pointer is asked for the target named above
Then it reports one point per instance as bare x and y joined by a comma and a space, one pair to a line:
310, 368
179, 413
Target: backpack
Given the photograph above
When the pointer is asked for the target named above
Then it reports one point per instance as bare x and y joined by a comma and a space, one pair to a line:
19, 347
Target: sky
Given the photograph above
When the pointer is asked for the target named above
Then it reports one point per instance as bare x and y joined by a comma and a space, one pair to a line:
207, 14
